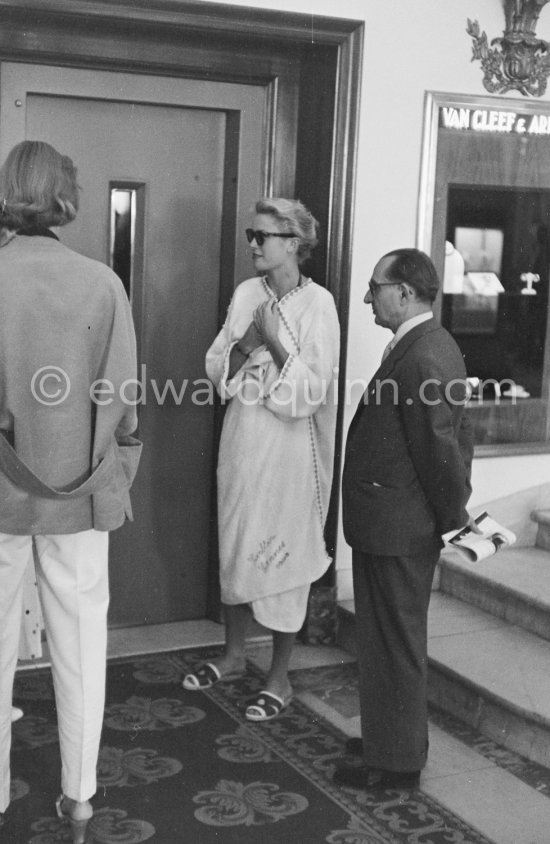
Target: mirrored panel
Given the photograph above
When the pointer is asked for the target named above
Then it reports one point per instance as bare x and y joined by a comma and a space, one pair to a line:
123, 209
495, 286
484, 217
126, 231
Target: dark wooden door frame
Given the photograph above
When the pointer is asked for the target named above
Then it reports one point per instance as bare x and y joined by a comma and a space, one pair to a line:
173, 37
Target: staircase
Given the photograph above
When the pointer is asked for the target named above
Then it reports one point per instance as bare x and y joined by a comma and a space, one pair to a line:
489, 638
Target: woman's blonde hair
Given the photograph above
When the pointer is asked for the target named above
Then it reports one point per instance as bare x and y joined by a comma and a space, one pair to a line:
38, 187
291, 215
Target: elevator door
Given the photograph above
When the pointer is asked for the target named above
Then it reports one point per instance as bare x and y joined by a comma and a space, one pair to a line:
191, 152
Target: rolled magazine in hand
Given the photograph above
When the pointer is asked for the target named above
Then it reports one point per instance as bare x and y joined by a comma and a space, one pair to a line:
479, 546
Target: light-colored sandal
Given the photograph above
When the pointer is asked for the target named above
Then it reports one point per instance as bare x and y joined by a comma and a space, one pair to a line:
78, 815
265, 706
206, 675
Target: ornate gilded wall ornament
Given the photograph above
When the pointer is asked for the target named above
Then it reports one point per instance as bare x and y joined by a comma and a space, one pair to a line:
519, 60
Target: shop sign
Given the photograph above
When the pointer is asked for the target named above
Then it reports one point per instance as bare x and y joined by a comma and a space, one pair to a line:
500, 121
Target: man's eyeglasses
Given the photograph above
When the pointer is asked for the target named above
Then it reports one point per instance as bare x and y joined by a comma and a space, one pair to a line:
374, 286
259, 236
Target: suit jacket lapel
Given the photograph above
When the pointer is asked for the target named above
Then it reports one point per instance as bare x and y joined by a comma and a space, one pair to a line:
387, 366
402, 347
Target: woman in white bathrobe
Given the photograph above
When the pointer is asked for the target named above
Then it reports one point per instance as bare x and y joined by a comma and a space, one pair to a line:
275, 363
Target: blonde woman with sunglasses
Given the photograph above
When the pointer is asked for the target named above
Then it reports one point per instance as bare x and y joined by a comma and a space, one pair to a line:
274, 363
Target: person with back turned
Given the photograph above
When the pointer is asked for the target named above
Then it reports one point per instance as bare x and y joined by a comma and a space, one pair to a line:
406, 482
67, 460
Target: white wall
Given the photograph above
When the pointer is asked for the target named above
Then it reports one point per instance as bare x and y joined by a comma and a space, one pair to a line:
411, 46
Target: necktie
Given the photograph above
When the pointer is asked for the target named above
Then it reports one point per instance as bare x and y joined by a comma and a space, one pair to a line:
387, 350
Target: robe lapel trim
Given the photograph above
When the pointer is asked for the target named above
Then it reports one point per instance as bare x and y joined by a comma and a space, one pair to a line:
302, 286
290, 331
318, 496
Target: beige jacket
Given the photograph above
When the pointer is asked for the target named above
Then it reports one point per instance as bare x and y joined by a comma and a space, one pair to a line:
66, 458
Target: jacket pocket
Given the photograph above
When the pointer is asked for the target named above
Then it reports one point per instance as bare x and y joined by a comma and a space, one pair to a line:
129, 455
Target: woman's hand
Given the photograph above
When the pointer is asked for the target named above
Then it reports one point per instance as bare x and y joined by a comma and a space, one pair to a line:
266, 319
250, 340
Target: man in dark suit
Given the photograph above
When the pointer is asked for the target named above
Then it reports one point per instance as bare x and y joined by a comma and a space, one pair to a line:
406, 482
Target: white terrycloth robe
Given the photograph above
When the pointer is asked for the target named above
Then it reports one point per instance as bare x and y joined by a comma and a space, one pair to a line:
277, 446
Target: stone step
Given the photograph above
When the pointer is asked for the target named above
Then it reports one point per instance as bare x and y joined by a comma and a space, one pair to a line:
513, 585
492, 674
542, 518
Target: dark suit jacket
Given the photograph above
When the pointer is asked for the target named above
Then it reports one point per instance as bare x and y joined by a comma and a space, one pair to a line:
409, 449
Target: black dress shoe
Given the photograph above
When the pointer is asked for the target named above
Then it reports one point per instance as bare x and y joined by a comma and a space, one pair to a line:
354, 747
368, 779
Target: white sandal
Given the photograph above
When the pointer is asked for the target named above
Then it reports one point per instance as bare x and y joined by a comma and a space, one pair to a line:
206, 675
265, 706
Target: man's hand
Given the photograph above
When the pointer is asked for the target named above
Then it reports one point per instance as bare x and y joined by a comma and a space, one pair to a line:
471, 523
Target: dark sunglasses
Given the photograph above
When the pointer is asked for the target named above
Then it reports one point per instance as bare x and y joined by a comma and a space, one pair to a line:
259, 236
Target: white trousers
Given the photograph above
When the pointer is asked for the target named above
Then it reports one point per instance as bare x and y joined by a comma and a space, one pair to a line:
72, 576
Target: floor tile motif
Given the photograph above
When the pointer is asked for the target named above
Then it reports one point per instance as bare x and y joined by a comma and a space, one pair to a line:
313, 746
175, 763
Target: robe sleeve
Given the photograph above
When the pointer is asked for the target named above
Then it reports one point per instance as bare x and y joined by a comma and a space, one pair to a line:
218, 355
307, 378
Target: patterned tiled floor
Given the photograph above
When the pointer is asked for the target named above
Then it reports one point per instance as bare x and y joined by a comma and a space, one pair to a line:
493, 790
181, 766
497, 791
336, 686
